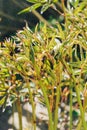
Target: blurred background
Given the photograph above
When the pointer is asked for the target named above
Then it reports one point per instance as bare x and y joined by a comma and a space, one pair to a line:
10, 21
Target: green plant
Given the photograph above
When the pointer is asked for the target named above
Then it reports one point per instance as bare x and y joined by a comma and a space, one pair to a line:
53, 59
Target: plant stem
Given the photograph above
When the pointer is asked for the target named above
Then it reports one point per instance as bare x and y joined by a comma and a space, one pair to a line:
33, 106
13, 107
81, 108
71, 107
79, 125
56, 107
19, 109
48, 106
64, 10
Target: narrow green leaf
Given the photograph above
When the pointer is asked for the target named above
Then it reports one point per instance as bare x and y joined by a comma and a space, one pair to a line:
31, 8
55, 1
2, 100
76, 3
32, 58
33, 1
45, 7
81, 6
37, 1
61, 32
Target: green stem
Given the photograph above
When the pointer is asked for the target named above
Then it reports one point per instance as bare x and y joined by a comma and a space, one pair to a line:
13, 109
19, 109
56, 107
64, 10
81, 108
48, 106
33, 106
71, 108
79, 125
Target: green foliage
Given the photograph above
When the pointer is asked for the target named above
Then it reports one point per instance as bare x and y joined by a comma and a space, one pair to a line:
36, 4
52, 60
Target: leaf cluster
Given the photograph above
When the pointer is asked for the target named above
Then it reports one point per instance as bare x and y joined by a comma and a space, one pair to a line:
49, 63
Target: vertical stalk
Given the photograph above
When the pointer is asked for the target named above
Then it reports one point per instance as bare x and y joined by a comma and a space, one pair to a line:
63, 6
13, 108
81, 108
71, 91
33, 106
56, 107
48, 106
71, 107
19, 109
79, 125
58, 92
